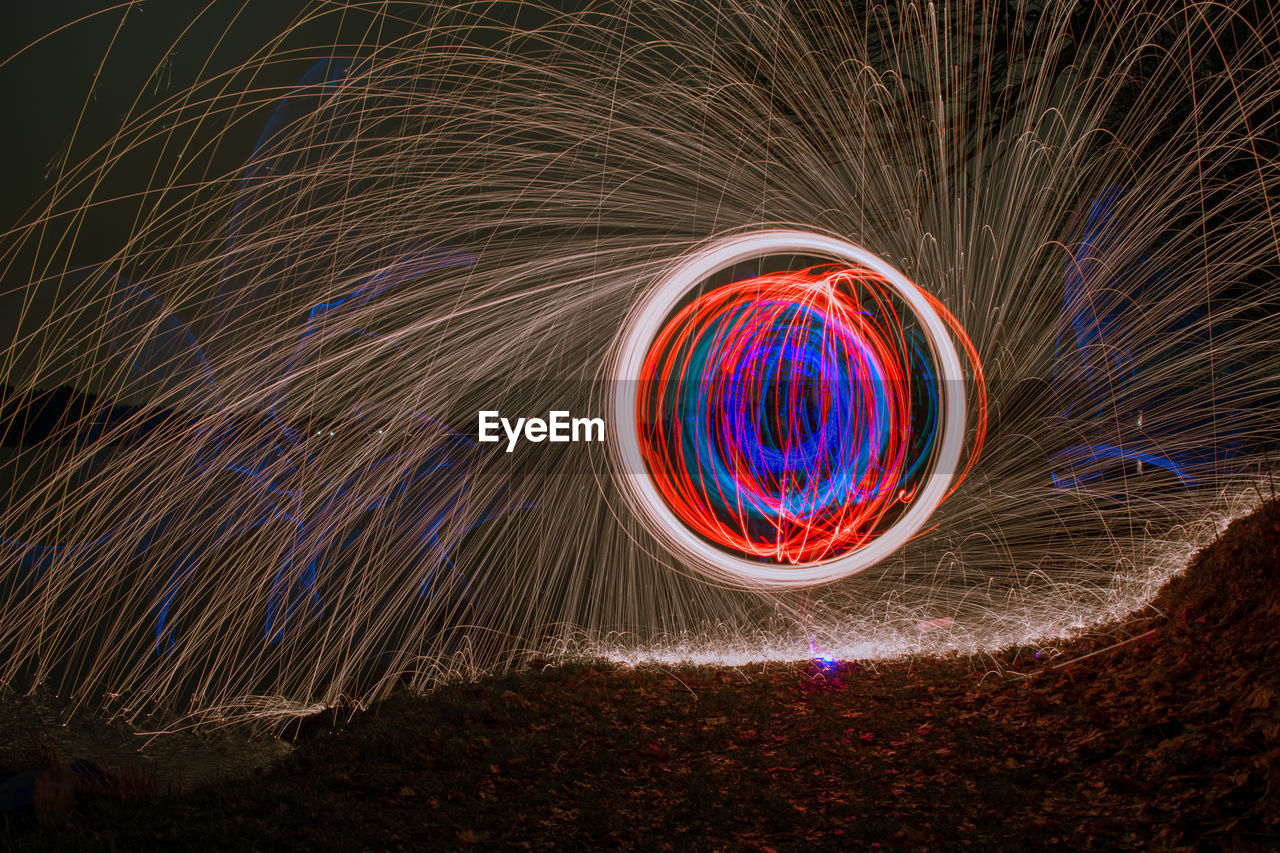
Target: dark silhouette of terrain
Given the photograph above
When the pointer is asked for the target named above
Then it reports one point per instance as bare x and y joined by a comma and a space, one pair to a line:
1159, 732
67, 415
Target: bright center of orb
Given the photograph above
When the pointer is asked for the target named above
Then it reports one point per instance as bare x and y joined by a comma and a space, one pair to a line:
792, 428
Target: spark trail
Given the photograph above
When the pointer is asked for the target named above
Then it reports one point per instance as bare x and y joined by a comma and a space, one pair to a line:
456, 208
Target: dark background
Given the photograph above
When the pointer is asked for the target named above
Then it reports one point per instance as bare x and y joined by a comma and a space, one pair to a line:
73, 69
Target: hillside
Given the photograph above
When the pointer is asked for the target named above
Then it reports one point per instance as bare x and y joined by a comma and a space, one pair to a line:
1162, 732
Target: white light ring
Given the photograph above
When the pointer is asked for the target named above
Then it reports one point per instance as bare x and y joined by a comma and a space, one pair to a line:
642, 326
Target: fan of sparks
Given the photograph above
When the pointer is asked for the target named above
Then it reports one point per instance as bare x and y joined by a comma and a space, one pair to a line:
916, 327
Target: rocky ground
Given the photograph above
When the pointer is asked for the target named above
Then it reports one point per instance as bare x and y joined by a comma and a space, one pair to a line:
1161, 732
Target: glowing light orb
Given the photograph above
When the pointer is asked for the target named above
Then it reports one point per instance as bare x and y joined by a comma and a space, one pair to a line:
793, 428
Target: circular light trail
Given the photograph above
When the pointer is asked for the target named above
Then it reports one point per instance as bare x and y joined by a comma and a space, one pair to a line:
790, 429
789, 416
